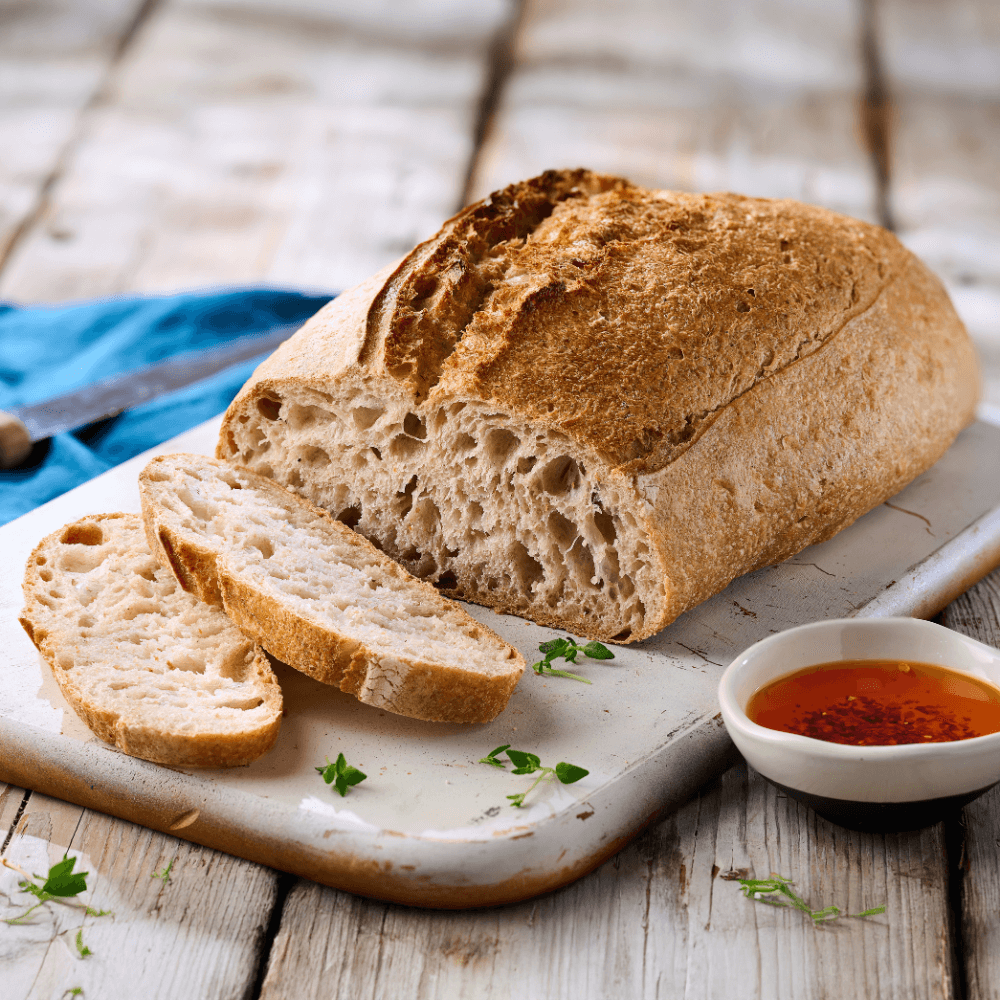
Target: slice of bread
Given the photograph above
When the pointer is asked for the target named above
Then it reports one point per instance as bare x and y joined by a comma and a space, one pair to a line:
149, 668
321, 597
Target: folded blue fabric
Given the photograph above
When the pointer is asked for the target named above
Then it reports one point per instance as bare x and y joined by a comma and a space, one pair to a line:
49, 350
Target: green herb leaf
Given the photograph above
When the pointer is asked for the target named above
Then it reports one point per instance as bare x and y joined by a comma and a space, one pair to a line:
526, 762
529, 763
341, 774
568, 773
777, 891
80, 946
491, 757
164, 876
60, 883
62, 880
568, 649
75, 991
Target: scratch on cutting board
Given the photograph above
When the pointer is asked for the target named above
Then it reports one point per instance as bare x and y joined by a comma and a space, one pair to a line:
912, 513
814, 566
697, 653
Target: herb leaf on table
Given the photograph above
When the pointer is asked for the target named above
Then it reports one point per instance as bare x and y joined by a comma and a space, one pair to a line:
777, 891
60, 883
529, 763
341, 774
568, 649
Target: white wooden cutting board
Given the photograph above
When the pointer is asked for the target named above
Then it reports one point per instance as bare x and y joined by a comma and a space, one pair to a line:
433, 827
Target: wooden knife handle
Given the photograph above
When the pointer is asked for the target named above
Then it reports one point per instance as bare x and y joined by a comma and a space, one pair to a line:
15, 441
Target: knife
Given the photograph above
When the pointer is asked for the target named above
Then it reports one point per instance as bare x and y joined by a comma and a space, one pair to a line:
22, 426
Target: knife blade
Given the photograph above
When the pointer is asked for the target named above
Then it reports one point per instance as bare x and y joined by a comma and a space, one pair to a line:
22, 426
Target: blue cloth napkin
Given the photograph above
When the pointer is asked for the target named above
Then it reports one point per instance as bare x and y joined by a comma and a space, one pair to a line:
48, 350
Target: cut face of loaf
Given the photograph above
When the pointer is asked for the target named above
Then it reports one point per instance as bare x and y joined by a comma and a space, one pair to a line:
321, 597
149, 668
594, 405
486, 506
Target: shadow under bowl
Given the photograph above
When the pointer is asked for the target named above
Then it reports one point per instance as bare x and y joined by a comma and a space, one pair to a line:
872, 788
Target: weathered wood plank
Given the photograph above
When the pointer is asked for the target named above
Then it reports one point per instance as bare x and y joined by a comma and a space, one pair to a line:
303, 143
760, 97
977, 613
54, 58
942, 62
197, 934
659, 920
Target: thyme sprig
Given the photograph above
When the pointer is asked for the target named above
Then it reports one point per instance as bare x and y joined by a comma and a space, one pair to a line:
777, 891
568, 649
529, 763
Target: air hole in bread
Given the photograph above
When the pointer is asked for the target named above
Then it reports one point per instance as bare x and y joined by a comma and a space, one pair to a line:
582, 559
155, 474
85, 621
64, 661
404, 447
231, 442
137, 608
499, 446
528, 570
606, 526
675, 354
46, 575
268, 407
243, 704
559, 476
301, 417
464, 442
258, 438
622, 636
446, 581
295, 477
427, 515
40, 561
262, 545
375, 451
186, 661
743, 307
525, 465
405, 499
365, 416
562, 528
263, 469
414, 426
82, 534
80, 560
314, 456
351, 516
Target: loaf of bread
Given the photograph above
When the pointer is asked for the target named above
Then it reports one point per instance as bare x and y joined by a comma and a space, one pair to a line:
320, 597
594, 405
149, 668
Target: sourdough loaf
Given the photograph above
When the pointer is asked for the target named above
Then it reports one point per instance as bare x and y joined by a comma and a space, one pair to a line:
320, 597
594, 405
149, 668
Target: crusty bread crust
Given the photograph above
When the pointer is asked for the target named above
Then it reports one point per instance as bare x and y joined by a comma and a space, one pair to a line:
473, 686
738, 377
111, 624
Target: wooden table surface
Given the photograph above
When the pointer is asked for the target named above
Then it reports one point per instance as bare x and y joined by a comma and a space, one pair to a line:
154, 145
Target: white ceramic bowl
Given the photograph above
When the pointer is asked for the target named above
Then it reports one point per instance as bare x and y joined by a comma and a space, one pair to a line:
872, 787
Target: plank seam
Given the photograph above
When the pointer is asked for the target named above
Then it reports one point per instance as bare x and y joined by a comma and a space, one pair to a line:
17, 819
954, 843
283, 888
62, 159
876, 112
500, 60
